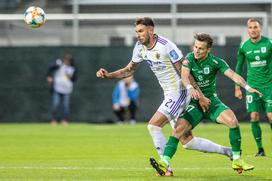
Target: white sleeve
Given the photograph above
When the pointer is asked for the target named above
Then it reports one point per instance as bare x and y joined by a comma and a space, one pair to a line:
174, 53
137, 57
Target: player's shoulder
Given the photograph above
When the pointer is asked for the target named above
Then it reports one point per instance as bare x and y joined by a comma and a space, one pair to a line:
138, 47
190, 56
244, 43
216, 60
162, 40
266, 39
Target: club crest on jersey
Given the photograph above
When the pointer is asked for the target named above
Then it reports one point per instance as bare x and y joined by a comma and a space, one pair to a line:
174, 54
263, 49
206, 70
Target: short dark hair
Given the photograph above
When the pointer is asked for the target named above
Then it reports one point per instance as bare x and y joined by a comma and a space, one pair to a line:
254, 20
147, 21
204, 37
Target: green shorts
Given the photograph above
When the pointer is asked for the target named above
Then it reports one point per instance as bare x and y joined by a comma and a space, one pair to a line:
194, 114
254, 103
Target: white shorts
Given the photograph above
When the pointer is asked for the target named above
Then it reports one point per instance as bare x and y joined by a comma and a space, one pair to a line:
174, 104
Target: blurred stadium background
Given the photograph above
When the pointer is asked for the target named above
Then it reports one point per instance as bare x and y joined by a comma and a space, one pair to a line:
100, 33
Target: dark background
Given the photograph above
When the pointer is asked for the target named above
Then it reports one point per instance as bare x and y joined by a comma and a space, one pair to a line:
25, 96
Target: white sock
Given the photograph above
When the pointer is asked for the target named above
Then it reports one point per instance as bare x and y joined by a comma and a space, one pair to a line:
205, 145
158, 138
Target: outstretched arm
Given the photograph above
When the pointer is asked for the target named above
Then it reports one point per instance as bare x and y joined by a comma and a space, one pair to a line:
240, 81
239, 71
121, 73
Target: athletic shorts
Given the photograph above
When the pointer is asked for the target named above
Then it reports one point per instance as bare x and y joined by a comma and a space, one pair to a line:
174, 104
255, 103
194, 114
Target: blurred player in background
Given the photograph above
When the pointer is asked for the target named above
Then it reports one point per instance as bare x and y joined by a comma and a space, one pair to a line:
257, 53
125, 98
164, 59
61, 77
203, 67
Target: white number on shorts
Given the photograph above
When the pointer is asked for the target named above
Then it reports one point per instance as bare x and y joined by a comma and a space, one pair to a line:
189, 108
170, 103
249, 98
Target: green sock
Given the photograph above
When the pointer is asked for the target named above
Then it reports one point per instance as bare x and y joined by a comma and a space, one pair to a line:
235, 139
257, 133
170, 148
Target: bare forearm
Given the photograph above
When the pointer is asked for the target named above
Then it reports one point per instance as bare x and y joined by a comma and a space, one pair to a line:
121, 73
124, 72
239, 81
194, 84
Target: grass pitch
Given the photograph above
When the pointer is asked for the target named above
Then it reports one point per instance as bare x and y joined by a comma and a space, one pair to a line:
40, 152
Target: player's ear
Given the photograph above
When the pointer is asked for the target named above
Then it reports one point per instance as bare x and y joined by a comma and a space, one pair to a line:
151, 30
209, 50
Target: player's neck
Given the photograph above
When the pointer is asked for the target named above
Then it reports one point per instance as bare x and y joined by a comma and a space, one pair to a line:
203, 58
255, 40
152, 41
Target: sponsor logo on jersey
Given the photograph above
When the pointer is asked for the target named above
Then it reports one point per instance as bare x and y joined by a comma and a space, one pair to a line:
204, 83
258, 63
263, 49
248, 52
257, 57
174, 54
257, 51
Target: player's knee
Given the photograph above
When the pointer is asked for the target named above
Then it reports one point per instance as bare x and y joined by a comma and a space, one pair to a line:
233, 123
269, 116
255, 116
186, 138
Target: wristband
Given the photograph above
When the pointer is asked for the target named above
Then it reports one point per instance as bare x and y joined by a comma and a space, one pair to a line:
189, 86
247, 87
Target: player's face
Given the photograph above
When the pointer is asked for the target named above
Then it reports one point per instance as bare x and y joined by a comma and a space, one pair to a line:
200, 50
143, 34
254, 30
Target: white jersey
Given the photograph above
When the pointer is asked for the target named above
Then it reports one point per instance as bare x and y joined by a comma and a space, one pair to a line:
161, 58
62, 82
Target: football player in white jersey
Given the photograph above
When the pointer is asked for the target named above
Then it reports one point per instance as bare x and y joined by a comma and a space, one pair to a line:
164, 59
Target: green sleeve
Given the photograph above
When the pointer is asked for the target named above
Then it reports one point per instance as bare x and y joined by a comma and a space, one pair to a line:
223, 66
240, 62
186, 63
270, 44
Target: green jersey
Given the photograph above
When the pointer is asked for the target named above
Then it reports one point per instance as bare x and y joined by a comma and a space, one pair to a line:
204, 71
258, 57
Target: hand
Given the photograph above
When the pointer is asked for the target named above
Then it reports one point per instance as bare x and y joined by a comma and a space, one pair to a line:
102, 73
116, 107
204, 103
50, 79
194, 93
238, 93
252, 90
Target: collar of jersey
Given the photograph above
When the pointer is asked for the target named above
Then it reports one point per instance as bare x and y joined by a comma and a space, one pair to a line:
156, 36
201, 61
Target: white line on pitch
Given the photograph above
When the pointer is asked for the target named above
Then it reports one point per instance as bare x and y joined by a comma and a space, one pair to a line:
112, 168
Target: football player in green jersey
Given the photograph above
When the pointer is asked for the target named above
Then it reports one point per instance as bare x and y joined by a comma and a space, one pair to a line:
204, 66
257, 53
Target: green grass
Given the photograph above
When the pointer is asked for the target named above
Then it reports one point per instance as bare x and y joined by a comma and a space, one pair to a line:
39, 152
